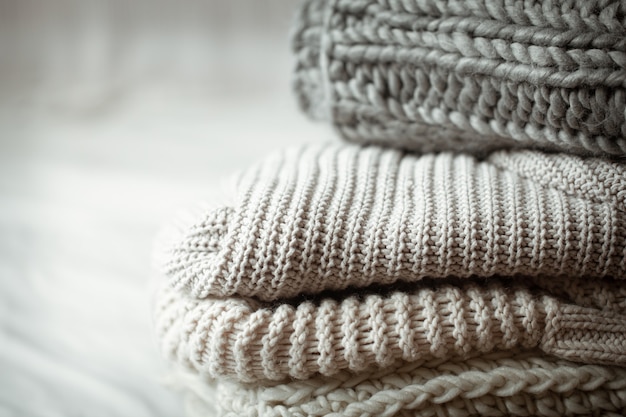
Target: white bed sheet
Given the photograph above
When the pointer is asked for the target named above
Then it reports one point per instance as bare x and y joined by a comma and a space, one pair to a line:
87, 176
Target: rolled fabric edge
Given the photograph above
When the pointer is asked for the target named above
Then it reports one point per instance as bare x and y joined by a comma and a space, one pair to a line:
249, 341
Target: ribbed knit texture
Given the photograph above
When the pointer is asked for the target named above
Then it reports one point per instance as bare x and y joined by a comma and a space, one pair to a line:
510, 383
250, 341
362, 281
474, 75
328, 217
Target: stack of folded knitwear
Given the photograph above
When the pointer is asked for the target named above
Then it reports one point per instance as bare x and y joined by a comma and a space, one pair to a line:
464, 255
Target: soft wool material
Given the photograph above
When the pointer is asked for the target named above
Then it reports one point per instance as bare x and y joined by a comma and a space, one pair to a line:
330, 217
250, 341
512, 383
485, 74
361, 281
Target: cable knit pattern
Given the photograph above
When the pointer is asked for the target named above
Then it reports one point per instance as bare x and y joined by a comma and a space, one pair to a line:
328, 217
252, 341
484, 74
514, 383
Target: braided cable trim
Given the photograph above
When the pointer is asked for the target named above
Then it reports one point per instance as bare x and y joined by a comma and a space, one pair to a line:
332, 216
515, 383
592, 74
250, 341
403, 27
462, 44
600, 15
375, 58
434, 130
410, 94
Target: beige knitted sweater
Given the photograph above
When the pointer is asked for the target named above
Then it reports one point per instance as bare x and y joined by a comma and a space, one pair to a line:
328, 217
324, 218
250, 341
484, 74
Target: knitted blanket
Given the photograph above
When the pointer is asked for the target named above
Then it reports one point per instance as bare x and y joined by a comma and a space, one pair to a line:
486, 74
320, 219
506, 383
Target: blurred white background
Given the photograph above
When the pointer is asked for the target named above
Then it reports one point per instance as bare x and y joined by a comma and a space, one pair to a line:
113, 115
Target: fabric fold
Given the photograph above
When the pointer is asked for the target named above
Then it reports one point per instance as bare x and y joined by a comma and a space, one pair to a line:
329, 217
439, 319
349, 280
443, 75
465, 256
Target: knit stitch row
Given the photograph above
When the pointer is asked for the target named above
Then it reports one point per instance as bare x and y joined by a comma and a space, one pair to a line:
479, 75
328, 217
250, 341
509, 383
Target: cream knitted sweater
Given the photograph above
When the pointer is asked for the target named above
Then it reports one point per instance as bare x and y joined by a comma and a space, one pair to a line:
251, 341
508, 383
324, 218
328, 217
448, 74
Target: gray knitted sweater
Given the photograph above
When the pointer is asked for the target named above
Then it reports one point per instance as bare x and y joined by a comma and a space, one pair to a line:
466, 75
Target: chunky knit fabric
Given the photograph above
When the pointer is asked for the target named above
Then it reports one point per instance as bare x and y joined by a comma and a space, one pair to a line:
484, 74
251, 341
356, 281
514, 383
329, 217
